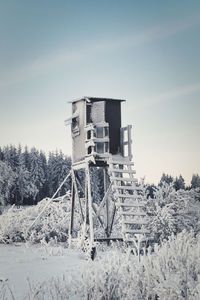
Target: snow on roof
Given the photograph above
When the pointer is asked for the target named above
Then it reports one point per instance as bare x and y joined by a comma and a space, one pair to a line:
95, 99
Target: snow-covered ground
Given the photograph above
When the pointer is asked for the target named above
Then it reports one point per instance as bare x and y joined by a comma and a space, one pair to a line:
19, 262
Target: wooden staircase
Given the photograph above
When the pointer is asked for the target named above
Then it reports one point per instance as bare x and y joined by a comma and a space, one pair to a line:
129, 200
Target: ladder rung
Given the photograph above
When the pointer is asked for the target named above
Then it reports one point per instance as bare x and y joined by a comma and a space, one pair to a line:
135, 231
122, 171
145, 239
131, 213
126, 187
124, 179
129, 196
134, 204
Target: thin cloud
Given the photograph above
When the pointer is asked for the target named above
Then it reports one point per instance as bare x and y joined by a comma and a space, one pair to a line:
45, 64
147, 36
176, 93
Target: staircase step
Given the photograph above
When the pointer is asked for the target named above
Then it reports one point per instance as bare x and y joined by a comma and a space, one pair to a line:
126, 188
129, 196
145, 239
131, 213
133, 204
122, 171
124, 179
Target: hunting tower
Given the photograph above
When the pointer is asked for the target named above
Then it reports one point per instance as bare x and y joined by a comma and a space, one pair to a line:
99, 141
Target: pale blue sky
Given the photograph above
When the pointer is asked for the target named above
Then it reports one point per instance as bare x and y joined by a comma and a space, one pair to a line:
147, 52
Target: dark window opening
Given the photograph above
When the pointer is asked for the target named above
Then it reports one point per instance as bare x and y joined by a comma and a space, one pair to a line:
89, 113
106, 147
89, 135
106, 131
89, 150
75, 126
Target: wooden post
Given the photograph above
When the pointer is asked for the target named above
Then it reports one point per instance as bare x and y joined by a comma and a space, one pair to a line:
107, 202
90, 204
129, 141
112, 219
86, 200
76, 192
122, 141
71, 223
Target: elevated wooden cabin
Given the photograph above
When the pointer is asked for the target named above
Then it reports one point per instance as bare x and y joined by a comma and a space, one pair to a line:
95, 128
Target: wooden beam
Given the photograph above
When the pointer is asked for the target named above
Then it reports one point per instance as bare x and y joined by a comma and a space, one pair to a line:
108, 239
90, 204
129, 142
107, 202
71, 223
94, 208
77, 195
99, 218
103, 200
112, 219
49, 201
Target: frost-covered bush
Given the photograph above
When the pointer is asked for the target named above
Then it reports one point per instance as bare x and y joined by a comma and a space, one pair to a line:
53, 223
5, 291
172, 211
112, 277
174, 269
171, 272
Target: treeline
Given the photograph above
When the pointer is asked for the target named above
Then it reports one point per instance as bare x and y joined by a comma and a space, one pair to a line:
27, 176
178, 183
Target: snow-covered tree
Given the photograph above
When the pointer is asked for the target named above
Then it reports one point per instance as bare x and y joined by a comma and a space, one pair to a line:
179, 183
10, 156
7, 180
172, 211
26, 158
1, 154
58, 168
166, 179
37, 171
24, 186
195, 182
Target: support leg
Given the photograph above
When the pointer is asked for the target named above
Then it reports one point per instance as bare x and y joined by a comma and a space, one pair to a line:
90, 205
107, 202
71, 223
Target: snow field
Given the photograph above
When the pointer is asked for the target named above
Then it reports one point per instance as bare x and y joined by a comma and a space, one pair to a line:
172, 272
21, 264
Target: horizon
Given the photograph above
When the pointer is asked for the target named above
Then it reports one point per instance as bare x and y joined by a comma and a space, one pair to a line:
145, 53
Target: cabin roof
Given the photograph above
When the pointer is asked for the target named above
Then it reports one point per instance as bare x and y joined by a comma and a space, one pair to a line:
96, 99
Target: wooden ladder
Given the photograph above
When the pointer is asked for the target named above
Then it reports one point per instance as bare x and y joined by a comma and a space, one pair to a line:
129, 200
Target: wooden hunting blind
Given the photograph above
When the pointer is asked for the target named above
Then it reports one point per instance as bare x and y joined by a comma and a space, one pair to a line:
95, 127
99, 140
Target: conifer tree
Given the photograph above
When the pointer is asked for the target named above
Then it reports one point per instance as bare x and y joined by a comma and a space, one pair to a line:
36, 170
58, 168
24, 186
43, 192
165, 179
195, 182
11, 156
7, 180
179, 183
